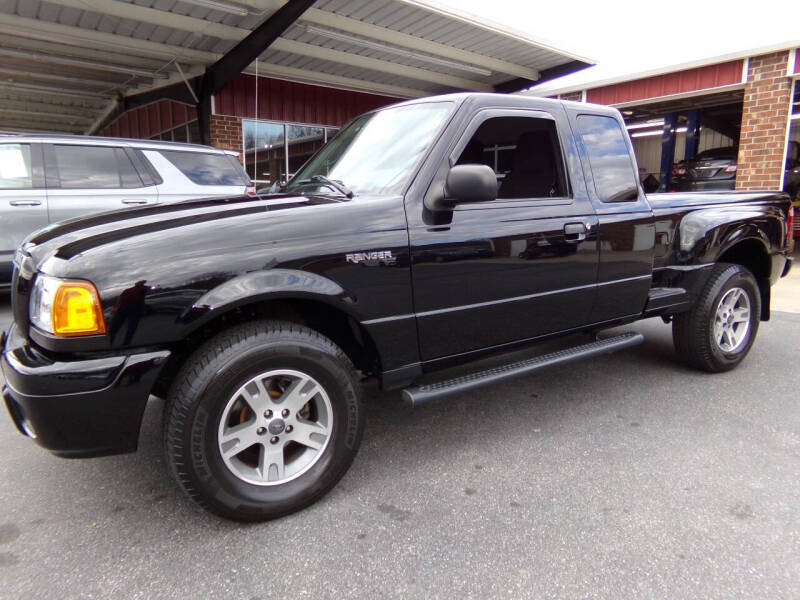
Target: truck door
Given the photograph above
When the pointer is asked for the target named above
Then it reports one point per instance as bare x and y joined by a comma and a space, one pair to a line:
627, 228
521, 266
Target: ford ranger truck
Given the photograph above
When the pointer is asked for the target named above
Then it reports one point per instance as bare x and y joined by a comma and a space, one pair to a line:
425, 235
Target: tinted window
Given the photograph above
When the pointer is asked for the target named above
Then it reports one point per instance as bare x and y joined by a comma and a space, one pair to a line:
524, 153
609, 158
91, 167
207, 169
15, 166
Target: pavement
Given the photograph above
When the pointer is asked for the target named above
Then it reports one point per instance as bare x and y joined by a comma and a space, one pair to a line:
627, 476
786, 293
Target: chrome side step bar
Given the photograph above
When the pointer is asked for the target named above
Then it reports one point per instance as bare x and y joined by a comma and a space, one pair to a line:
420, 394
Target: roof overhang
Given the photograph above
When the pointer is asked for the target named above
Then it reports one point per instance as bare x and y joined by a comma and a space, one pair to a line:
65, 64
603, 76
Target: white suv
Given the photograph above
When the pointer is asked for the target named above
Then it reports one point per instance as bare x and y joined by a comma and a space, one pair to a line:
47, 178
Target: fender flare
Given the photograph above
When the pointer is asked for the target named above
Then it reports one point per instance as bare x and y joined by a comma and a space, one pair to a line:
705, 235
272, 284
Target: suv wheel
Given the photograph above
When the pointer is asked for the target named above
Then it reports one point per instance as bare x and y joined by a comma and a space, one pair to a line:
720, 329
263, 420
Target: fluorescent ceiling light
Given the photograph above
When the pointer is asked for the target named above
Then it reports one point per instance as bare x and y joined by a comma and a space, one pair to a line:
642, 125
434, 60
655, 132
221, 6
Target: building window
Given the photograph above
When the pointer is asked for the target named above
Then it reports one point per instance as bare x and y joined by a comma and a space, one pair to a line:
273, 152
188, 132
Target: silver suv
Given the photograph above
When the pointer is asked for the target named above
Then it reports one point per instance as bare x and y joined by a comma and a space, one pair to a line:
47, 178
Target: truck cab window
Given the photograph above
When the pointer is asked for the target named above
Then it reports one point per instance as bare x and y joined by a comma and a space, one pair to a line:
609, 158
524, 153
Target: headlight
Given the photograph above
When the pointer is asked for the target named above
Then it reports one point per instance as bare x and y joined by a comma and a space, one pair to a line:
66, 308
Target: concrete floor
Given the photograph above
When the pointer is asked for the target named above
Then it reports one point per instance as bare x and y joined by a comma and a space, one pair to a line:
628, 476
786, 293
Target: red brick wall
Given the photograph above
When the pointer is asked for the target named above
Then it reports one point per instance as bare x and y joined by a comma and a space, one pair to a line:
767, 99
226, 132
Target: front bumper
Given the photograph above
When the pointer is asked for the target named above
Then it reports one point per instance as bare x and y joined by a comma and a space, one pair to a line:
78, 408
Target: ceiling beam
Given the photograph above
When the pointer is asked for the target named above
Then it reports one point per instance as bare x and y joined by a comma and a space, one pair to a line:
398, 38
58, 91
234, 61
329, 19
73, 36
12, 129
75, 51
47, 107
39, 125
80, 63
382, 66
58, 78
103, 117
227, 32
177, 91
337, 81
68, 116
25, 95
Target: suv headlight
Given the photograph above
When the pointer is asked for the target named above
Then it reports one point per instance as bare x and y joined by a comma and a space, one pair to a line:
66, 308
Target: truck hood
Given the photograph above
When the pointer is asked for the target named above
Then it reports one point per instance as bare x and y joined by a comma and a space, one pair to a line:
70, 238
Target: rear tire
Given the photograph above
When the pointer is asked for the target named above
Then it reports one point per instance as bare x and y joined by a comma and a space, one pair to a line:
262, 420
720, 329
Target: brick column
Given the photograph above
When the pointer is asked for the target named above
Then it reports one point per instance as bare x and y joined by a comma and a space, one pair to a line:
767, 100
226, 132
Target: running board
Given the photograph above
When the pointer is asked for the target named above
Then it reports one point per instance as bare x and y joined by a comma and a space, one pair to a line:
420, 394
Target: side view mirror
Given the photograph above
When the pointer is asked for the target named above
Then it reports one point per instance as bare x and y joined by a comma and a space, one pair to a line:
465, 183
470, 183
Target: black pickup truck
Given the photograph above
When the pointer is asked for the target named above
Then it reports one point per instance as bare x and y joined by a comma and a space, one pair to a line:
425, 235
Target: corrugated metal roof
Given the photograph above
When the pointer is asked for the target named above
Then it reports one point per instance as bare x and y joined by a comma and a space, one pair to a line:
392, 47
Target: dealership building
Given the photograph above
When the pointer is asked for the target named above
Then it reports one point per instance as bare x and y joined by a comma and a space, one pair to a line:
748, 102
273, 80
270, 79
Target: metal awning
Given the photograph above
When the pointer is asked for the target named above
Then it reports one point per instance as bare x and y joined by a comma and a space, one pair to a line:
64, 63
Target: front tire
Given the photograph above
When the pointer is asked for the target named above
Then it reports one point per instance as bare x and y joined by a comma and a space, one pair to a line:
263, 420
720, 329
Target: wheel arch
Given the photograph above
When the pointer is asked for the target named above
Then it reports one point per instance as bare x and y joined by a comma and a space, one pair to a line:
280, 294
751, 253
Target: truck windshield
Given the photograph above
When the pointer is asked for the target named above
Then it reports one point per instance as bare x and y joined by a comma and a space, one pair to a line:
377, 152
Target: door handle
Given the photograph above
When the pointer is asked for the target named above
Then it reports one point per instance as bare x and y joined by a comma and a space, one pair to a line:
575, 232
134, 201
25, 202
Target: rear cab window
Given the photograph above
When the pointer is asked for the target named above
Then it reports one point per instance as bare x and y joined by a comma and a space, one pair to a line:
609, 158
203, 168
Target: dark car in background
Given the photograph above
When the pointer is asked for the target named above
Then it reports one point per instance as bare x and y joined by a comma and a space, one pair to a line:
712, 169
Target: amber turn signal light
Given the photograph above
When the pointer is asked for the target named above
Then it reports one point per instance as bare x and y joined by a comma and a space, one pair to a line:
76, 310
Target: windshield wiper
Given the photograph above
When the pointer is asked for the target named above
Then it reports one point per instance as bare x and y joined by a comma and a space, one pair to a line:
337, 185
